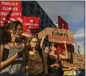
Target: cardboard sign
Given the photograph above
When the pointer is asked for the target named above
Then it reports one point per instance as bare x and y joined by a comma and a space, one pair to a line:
57, 35
10, 11
65, 63
78, 61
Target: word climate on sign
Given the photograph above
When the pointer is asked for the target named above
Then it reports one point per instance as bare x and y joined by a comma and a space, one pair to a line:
10, 11
58, 35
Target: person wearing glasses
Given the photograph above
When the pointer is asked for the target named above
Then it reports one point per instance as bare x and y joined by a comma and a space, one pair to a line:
34, 65
14, 62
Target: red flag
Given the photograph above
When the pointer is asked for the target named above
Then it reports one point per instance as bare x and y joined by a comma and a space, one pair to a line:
31, 24
59, 51
10, 11
61, 45
62, 23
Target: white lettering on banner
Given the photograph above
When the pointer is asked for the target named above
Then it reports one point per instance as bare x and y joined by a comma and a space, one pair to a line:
13, 14
9, 8
3, 13
12, 9
4, 8
16, 14
9, 3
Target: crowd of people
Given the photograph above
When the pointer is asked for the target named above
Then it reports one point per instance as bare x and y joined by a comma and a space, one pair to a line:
26, 55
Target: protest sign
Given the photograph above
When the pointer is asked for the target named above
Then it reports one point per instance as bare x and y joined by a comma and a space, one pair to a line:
78, 61
31, 24
10, 11
57, 35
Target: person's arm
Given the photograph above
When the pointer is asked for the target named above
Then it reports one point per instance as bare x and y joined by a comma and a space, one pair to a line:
65, 55
54, 65
27, 68
67, 69
70, 68
8, 61
42, 41
26, 35
1, 52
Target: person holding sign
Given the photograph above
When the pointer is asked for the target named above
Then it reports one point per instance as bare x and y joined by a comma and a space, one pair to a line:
68, 66
54, 64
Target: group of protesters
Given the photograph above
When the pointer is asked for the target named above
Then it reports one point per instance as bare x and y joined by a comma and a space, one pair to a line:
23, 54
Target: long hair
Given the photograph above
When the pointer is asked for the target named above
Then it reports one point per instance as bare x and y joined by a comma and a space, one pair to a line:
14, 24
4, 36
54, 44
37, 46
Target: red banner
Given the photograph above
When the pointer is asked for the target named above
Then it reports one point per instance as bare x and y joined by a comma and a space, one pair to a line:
10, 11
31, 23
62, 23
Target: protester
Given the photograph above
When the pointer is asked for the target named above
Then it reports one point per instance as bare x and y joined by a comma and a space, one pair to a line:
4, 39
54, 63
69, 69
14, 65
34, 65
52, 60
44, 44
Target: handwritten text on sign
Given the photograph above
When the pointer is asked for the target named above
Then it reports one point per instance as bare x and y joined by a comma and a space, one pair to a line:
78, 61
61, 39
58, 35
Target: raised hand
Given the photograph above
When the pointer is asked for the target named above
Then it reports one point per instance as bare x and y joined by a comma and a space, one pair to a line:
42, 41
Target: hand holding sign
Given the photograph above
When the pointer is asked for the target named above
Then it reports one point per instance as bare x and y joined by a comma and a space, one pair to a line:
57, 35
65, 44
42, 41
